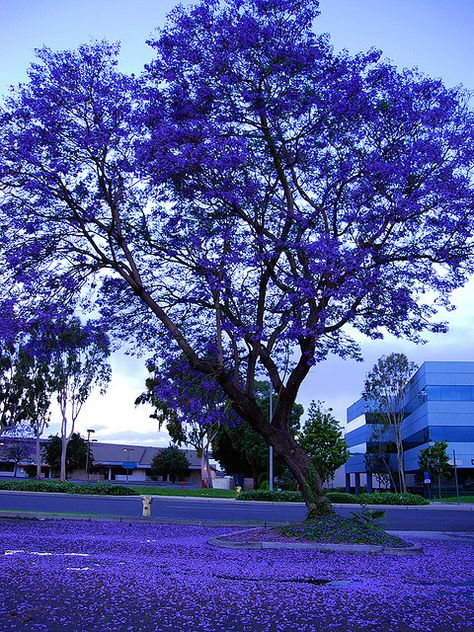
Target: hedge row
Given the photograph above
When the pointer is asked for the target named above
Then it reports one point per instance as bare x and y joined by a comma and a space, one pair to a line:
102, 489
389, 498
265, 494
105, 489
378, 498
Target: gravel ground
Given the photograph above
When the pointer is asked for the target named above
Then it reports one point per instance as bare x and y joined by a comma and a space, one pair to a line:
87, 576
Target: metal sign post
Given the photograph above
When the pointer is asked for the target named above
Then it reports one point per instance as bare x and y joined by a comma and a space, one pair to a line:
456, 477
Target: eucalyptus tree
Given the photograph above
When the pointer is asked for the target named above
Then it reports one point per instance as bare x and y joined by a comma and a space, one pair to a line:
78, 360
24, 376
385, 392
252, 187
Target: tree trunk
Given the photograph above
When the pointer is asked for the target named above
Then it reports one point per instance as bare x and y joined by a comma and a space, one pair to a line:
62, 472
300, 465
205, 468
277, 434
38, 456
401, 470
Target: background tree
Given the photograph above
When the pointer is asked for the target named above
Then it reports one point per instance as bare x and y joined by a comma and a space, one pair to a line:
323, 441
17, 447
170, 462
78, 363
191, 408
253, 188
434, 459
241, 450
23, 390
76, 453
385, 390
378, 457
25, 386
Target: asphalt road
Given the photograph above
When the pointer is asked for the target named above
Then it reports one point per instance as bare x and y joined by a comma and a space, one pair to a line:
426, 518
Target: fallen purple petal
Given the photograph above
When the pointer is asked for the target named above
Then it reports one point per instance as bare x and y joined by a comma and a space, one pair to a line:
82, 576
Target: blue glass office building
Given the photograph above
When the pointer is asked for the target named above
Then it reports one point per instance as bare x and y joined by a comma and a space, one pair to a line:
439, 406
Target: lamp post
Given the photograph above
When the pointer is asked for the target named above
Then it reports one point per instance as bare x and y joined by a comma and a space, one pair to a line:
270, 464
127, 451
89, 432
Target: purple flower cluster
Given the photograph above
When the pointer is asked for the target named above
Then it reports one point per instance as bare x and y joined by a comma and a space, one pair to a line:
60, 575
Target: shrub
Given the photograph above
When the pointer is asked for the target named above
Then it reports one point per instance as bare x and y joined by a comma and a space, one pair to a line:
264, 485
67, 487
389, 498
339, 530
263, 494
342, 497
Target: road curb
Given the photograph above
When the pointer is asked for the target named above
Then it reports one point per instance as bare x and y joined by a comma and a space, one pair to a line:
224, 542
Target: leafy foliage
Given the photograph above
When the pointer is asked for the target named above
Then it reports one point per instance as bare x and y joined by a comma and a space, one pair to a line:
78, 362
339, 530
385, 390
342, 497
275, 497
388, 498
24, 375
435, 460
170, 462
67, 487
76, 452
191, 406
322, 439
241, 450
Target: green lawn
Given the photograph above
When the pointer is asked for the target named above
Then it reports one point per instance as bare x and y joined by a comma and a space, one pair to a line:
453, 499
168, 491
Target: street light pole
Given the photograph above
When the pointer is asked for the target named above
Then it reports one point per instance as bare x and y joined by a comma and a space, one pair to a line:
89, 431
270, 465
127, 451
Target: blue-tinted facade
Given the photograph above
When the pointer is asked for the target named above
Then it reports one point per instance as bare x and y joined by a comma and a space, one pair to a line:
439, 407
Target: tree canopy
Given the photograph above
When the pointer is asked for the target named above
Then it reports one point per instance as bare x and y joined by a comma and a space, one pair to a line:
435, 460
24, 375
385, 392
241, 450
322, 439
191, 407
170, 461
252, 189
76, 452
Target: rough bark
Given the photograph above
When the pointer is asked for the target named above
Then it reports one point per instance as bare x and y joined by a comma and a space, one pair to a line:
205, 468
62, 472
300, 465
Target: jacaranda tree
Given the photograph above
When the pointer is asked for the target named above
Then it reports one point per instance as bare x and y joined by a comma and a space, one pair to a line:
253, 187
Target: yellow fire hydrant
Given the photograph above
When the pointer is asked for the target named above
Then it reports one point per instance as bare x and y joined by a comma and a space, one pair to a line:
146, 501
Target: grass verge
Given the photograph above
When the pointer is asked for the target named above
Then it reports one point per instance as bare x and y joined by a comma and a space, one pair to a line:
143, 490
453, 499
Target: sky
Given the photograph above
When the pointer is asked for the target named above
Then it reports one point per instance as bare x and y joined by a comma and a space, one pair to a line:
436, 36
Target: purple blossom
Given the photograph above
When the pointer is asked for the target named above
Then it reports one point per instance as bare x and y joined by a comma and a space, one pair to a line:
132, 576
